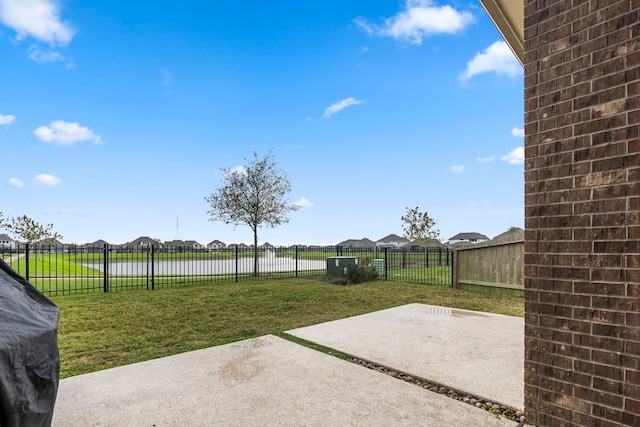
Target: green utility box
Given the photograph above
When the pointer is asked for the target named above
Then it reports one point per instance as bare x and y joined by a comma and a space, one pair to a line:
337, 265
378, 264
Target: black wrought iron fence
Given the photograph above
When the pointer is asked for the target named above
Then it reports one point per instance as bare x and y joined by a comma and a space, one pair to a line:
67, 269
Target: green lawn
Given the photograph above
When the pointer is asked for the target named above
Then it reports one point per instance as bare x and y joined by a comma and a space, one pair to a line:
99, 331
61, 273
50, 265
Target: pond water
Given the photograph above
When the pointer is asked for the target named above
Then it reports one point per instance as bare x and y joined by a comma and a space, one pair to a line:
206, 267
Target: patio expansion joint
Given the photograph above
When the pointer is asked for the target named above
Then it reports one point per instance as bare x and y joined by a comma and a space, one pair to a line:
496, 408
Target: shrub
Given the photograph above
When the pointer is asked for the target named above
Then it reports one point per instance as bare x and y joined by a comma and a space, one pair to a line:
362, 272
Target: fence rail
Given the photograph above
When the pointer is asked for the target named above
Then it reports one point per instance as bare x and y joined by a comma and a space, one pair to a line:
60, 270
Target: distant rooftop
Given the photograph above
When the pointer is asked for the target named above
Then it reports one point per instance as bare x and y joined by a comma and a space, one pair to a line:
469, 236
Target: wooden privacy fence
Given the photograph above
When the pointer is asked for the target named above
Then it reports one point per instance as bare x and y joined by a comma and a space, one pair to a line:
494, 265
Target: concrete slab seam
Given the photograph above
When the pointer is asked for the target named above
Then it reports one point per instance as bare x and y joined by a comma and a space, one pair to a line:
496, 408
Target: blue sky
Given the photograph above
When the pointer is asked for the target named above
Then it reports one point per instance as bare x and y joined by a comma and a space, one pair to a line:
117, 116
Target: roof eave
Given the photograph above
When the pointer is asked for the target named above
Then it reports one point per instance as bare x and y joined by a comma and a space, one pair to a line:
508, 17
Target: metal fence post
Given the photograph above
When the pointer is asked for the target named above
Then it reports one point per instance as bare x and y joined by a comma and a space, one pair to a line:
236, 263
296, 260
426, 258
386, 264
454, 268
153, 271
26, 265
105, 267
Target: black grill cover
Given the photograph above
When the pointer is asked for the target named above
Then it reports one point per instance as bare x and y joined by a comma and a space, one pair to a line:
29, 358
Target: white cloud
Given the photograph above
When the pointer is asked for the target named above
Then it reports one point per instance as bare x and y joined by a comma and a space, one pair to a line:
418, 19
229, 172
46, 180
365, 26
65, 133
239, 169
40, 56
303, 203
7, 119
457, 168
43, 56
519, 132
486, 159
64, 211
497, 58
515, 156
167, 76
15, 183
341, 105
39, 19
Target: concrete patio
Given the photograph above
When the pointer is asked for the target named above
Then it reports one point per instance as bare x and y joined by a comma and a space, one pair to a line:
272, 381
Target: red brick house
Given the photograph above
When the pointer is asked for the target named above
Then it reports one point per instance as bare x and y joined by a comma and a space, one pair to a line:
582, 199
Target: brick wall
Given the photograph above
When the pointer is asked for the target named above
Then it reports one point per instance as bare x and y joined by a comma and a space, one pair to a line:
582, 198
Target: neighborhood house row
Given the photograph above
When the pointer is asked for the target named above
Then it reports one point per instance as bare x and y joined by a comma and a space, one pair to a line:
391, 241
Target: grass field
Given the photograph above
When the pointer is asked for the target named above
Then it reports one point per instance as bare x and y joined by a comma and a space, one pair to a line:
69, 285
61, 262
45, 264
99, 331
64, 273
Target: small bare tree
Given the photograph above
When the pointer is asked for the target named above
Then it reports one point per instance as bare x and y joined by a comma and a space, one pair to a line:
29, 230
255, 195
418, 226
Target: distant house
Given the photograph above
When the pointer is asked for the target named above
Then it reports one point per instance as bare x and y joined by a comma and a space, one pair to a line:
98, 242
299, 247
7, 242
419, 246
392, 241
267, 246
216, 244
469, 238
357, 244
94, 247
513, 234
192, 244
237, 245
173, 245
141, 242
50, 245
182, 246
